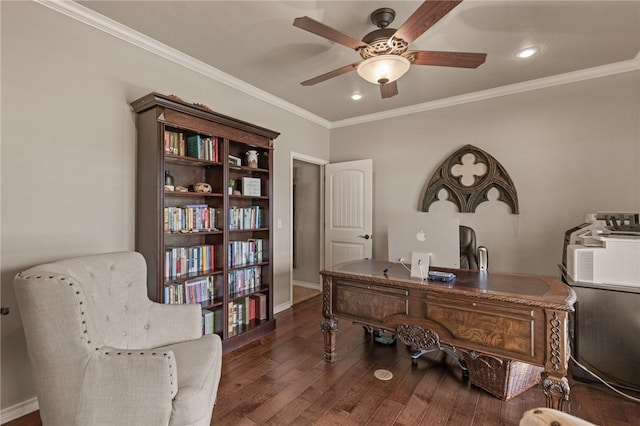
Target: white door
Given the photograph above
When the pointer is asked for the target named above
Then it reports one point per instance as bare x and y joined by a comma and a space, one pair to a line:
348, 206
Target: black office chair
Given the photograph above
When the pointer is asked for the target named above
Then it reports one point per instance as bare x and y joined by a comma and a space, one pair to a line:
470, 257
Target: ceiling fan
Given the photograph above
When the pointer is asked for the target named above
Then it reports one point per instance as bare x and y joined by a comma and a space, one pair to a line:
384, 52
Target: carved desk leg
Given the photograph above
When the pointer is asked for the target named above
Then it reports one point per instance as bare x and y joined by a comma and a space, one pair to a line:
554, 380
556, 390
329, 325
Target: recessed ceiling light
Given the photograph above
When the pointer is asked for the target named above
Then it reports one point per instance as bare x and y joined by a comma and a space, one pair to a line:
356, 96
527, 52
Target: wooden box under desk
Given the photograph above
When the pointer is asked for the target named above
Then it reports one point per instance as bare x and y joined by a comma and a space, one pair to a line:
519, 318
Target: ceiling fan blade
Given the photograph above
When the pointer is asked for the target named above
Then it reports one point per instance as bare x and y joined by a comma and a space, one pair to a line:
331, 74
445, 59
318, 28
430, 12
389, 89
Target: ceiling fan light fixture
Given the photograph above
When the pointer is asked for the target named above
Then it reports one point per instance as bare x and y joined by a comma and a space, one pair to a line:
383, 69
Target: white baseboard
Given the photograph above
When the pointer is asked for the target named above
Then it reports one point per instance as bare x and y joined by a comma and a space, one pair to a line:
314, 286
18, 410
282, 307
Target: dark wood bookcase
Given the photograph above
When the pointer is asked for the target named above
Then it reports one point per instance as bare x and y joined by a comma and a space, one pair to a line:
233, 254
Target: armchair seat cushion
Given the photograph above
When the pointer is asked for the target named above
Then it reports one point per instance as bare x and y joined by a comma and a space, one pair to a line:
200, 362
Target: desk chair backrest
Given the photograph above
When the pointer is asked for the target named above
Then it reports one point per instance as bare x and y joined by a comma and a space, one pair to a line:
470, 257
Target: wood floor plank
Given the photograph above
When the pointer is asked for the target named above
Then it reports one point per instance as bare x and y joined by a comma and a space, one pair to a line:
418, 404
407, 379
375, 393
511, 411
487, 410
332, 386
386, 413
278, 401
464, 407
441, 403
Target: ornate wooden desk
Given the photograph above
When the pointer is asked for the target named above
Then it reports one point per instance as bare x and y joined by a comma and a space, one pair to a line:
518, 317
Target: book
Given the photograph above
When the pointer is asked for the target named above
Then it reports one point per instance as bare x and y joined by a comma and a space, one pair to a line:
193, 146
174, 143
181, 261
252, 308
230, 319
261, 305
208, 321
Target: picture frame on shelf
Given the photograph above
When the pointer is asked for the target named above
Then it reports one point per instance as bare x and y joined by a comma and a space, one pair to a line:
251, 187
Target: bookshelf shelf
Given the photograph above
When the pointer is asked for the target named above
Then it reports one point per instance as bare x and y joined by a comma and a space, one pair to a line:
191, 161
211, 232
193, 194
187, 237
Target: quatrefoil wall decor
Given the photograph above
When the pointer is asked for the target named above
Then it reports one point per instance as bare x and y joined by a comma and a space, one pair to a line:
467, 176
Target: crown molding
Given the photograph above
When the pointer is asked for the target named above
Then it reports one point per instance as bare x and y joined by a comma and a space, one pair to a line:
116, 29
527, 86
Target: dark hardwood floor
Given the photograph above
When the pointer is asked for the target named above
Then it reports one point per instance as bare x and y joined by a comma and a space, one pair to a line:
283, 379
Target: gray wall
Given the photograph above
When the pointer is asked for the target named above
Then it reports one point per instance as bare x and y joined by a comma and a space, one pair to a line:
68, 152
570, 150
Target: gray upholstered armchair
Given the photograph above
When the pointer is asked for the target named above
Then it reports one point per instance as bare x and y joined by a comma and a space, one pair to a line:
102, 353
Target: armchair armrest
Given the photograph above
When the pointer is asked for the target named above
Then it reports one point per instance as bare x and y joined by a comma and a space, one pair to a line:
125, 387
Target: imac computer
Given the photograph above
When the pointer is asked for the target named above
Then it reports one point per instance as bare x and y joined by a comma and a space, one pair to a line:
437, 237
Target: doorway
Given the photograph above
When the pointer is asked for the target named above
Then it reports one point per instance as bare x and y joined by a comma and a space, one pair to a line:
307, 218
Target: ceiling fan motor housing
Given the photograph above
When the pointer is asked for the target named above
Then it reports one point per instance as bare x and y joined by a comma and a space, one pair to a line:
382, 17
381, 41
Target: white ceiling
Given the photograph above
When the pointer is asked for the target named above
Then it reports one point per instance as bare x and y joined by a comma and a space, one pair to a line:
256, 42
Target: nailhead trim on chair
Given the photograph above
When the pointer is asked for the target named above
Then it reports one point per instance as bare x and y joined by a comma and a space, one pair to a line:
83, 323
165, 355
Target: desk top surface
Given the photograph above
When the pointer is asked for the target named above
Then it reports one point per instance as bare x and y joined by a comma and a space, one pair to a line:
519, 288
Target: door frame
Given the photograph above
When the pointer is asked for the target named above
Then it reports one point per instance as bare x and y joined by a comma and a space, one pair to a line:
319, 162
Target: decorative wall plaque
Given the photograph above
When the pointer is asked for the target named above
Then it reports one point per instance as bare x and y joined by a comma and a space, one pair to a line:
467, 176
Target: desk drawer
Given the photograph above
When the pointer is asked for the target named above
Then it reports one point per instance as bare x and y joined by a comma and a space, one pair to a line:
498, 328
368, 302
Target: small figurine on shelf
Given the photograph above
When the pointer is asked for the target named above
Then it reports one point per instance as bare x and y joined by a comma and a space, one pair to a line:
168, 181
232, 184
252, 159
202, 187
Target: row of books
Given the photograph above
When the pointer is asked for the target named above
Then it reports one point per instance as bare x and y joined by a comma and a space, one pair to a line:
181, 261
195, 146
211, 321
197, 290
245, 252
244, 310
175, 143
243, 280
245, 217
203, 148
189, 218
